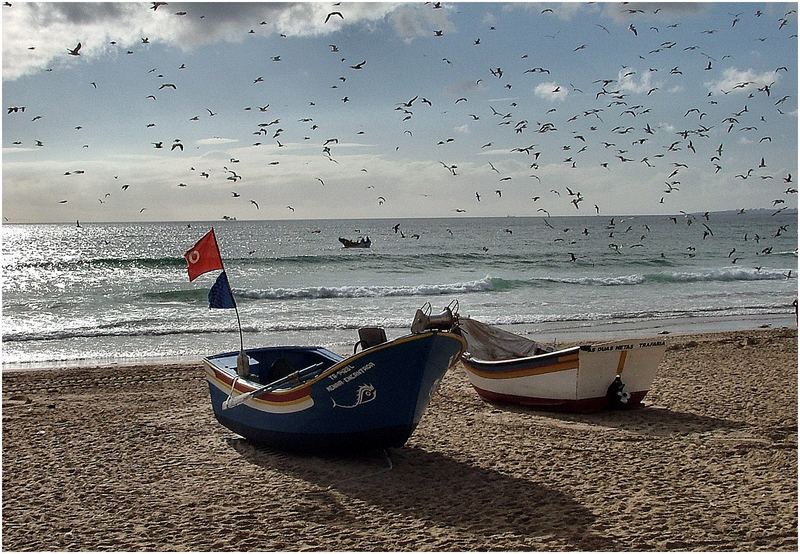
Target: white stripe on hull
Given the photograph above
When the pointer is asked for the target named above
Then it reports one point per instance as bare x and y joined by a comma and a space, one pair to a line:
597, 368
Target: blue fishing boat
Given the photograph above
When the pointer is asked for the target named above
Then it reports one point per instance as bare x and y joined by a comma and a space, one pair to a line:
311, 399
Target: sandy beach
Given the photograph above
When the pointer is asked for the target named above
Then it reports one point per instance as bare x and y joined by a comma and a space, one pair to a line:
131, 458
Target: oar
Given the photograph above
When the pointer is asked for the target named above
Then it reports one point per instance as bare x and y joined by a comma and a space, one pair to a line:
233, 402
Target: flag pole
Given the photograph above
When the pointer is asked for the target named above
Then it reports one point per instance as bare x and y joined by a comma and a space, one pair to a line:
242, 362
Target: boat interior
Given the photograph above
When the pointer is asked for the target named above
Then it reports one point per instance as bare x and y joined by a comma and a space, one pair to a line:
271, 364
268, 365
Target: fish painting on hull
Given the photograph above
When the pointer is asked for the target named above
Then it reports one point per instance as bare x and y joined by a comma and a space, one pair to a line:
365, 393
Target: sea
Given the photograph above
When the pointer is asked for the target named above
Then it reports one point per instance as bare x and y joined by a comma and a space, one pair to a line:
118, 293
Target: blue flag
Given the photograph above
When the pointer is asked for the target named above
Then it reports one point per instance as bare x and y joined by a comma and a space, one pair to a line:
220, 295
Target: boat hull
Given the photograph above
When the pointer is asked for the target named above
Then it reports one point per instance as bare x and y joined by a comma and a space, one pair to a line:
575, 379
373, 399
346, 243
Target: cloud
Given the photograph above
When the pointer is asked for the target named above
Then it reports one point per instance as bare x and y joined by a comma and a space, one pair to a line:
53, 28
628, 81
463, 129
565, 11
741, 80
551, 91
412, 21
651, 11
215, 140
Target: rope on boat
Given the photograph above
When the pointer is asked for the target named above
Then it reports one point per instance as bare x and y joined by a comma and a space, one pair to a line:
233, 384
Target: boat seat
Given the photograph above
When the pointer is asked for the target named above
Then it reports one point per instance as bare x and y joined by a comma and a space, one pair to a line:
279, 369
369, 337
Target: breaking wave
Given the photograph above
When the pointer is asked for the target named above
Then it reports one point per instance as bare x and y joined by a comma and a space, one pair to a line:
367, 291
487, 284
724, 274
137, 329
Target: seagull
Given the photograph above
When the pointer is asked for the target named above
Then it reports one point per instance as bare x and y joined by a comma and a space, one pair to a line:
254, 203
290, 208
75, 51
332, 14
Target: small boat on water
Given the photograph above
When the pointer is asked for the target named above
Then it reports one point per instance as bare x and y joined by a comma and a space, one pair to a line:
507, 368
311, 399
362, 242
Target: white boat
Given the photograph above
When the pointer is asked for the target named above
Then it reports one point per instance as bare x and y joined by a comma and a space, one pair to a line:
507, 368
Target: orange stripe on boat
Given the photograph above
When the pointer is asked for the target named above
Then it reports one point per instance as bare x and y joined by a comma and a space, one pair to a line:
294, 396
569, 363
621, 363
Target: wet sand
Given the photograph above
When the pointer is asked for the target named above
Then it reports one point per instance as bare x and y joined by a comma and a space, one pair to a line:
133, 459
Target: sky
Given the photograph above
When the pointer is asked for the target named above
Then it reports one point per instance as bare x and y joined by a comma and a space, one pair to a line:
203, 111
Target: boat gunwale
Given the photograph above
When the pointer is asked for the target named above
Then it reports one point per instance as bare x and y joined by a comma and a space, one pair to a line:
244, 385
466, 358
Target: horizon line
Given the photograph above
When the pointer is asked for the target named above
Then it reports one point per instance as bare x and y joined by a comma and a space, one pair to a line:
790, 211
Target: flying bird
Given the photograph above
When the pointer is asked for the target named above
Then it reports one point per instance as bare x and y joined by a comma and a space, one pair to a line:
75, 51
327, 18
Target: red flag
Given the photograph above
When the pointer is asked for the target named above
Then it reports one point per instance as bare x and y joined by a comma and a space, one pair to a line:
203, 256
